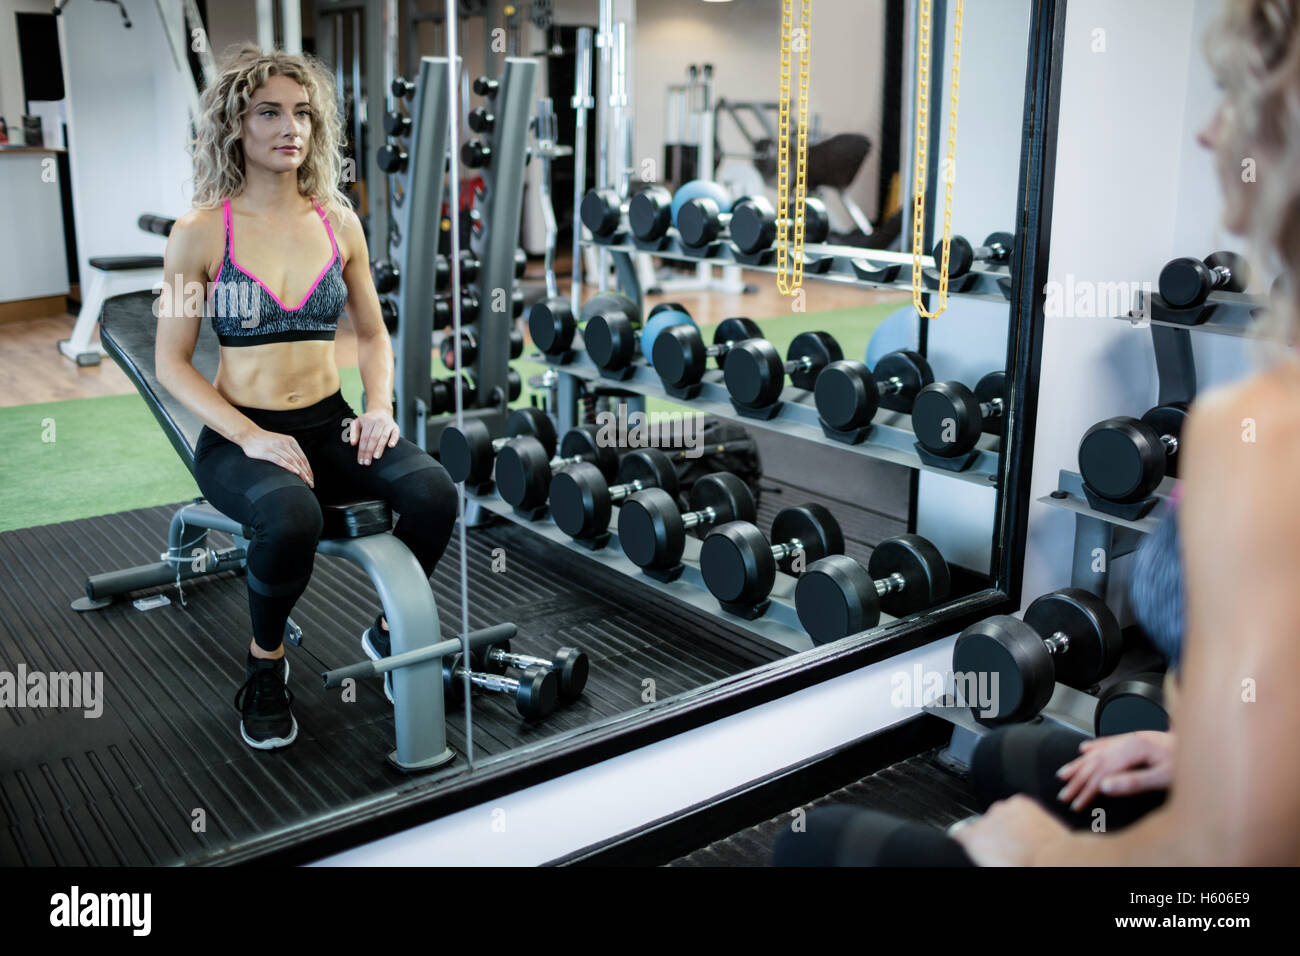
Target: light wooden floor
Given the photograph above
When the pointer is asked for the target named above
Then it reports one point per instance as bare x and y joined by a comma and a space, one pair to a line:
32, 369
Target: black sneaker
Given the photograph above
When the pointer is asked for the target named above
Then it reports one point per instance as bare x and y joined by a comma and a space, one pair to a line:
264, 701
375, 645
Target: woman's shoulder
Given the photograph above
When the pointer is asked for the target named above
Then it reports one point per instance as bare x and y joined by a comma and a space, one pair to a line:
346, 225
198, 233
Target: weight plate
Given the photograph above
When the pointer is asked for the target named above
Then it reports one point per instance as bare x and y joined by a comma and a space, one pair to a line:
1235, 264
551, 325
1121, 459
610, 340
650, 529
737, 564
651, 467
1093, 632
466, 452
923, 568
580, 500
753, 224
818, 347
946, 418
601, 211
698, 222
678, 356
814, 527
1168, 420
663, 319
1132, 705
649, 213
834, 598
726, 494
845, 396
523, 472
754, 374
1002, 670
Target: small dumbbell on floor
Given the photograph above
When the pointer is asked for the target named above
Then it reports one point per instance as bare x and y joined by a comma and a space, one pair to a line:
739, 566
525, 468
568, 664
468, 453
848, 394
582, 500
652, 531
536, 691
680, 356
837, 596
1123, 460
1069, 636
1186, 283
948, 418
755, 374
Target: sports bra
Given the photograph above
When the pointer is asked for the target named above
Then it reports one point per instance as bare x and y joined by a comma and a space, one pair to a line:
243, 311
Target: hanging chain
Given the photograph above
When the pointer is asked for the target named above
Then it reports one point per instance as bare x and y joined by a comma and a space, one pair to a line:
788, 284
922, 151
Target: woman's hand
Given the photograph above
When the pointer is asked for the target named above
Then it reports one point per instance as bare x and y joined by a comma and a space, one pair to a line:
1010, 833
1118, 767
372, 432
282, 450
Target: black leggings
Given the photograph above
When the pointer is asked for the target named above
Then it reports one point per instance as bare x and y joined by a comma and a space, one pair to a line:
285, 514
1023, 758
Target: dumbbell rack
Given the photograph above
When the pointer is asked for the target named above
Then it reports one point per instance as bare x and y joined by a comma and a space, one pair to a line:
889, 439
868, 268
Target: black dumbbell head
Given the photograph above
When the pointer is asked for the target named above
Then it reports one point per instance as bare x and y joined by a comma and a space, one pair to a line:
1095, 642
960, 256
1002, 662
923, 569
737, 564
1235, 264
552, 325
820, 348
1005, 240
466, 452
754, 373
483, 661
1132, 705
649, 466
601, 211
1168, 420
1122, 459
834, 598
650, 529
845, 395
580, 501
585, 441
539, 692
531, 420
453, 684
678, 355
698, 222
389, 311
385, 275
753, 224
649, 213
572, 667
911, 369
728, 496
610, 338
610, 303
946, 418
814, 527
523, 472
733, 330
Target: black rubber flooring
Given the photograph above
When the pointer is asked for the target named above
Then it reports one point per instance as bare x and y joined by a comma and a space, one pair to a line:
163, 777
916, 789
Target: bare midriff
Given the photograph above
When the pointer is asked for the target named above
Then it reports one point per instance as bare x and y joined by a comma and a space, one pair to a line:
278, 375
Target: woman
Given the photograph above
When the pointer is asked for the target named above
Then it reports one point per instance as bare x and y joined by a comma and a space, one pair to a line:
283, 254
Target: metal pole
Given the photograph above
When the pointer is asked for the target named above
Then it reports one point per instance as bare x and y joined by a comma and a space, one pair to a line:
581, 104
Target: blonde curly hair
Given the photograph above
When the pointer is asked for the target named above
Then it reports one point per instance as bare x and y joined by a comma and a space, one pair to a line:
216, 147
1254, 49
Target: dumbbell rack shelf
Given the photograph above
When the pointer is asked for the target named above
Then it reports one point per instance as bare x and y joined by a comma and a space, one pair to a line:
891, 437
868, 268
779, 625
1230, 313
1070, 496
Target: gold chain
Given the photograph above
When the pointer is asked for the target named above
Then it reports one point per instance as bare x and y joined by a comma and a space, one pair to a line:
788, 285
922, 157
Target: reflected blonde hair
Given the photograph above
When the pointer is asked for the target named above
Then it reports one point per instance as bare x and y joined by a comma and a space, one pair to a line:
1254, 49
219, 153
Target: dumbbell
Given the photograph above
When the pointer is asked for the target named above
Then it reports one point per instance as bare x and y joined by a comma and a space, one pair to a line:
612, 336
1136, 703
837, 596
848, 394
680, 356
1068, 635
1125, 459
392, 158
752, 223
468, 452
469, 303
385, 276
397, 124
469, 346
388, 310
524, 466
536, 693
486, 86
582, 499
551, 325
962, 256
739, 566
1187, 282
948, 418
652, 530
476, 154
648, 212
469, 268
718, 195
442, 392
569, 664
755, 374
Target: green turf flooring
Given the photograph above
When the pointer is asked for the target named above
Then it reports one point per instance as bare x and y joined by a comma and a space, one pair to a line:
96, 456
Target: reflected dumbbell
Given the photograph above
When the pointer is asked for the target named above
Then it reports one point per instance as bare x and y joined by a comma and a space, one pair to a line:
613, 337
536, 692
524, 467
569, 665
755, 374
1186, 282
442, 393
648, 213
739, 565
469, 346
848, 394
1125, 459
962, 256
752, 225
469, 452
837, 596
652, 531
948, 418
680, 356
1068, 635
582, 499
